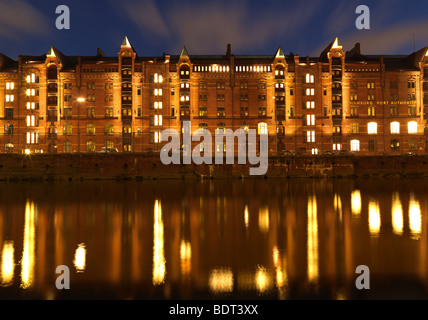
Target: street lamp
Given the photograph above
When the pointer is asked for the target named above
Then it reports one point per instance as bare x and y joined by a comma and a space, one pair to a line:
78, 100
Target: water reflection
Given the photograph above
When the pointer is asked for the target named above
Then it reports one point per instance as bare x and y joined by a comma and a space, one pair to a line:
80, 258
8, 264
269, 239
356, 202
415, 217
28, 254
312, 240
221, 280
158, 246
374, 218
397, 215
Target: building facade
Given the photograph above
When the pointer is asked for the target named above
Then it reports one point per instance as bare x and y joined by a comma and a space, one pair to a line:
307, 105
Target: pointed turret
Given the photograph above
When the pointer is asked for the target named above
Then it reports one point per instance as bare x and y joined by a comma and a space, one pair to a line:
279, 53
126, 43
184, 53
335, 45
51, 52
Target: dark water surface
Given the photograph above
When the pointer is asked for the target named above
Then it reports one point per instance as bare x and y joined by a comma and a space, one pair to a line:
264, 239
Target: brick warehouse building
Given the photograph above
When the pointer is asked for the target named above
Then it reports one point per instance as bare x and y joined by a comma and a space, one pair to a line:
307, 105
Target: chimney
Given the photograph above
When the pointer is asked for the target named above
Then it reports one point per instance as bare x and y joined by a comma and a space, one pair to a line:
229, 50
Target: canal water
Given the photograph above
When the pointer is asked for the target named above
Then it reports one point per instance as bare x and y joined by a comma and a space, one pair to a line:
231, 239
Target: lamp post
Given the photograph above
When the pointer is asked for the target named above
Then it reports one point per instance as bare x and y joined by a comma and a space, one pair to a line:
78, 100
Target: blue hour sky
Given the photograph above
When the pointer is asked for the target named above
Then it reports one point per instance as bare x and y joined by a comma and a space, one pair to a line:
304, 27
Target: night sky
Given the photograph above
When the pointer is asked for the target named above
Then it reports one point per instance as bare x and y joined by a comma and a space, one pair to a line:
304, 27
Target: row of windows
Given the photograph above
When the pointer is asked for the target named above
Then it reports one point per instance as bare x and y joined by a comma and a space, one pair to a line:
372, 128
395, 145
411, 111
101, 70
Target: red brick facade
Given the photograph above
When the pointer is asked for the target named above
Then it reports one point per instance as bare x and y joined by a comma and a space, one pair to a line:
311, 105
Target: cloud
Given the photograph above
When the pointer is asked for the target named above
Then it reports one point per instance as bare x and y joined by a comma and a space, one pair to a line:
146, 15
19, 18
394, 39
206, 26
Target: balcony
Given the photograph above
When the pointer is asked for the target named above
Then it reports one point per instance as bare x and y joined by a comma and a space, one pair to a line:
52, 88
280, 114
52, 74
52, 115
184, 104
52, 101
336, 91
52, 136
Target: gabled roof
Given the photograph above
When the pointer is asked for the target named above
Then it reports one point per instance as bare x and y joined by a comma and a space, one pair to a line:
7, 63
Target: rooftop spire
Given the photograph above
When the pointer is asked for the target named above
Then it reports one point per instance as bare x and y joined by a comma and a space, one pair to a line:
51, 52
279, 53
184, 53
337, 44
126, 43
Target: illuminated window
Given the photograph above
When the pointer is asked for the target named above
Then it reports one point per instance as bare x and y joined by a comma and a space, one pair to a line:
309, 78
202, 127
109, 129
310, 120
90, 146
310, 105
355, 145
337, 146
262, 128
413, 145
314, 151
158, 120
395, 128
32, 138
395, 145
32, 121
355, 128
372, 128
309, 136
90, 129
413, 127
310, 92
372, 111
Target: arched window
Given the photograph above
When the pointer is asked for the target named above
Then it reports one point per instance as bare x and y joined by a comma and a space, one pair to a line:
202, 127
262, 128
90, 146
413, 127
310, 78
372, 128
108, 129
90, 129
395, 127
355, 145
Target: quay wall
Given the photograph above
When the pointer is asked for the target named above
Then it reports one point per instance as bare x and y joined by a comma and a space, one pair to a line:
142, 166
